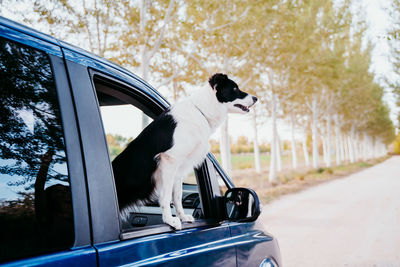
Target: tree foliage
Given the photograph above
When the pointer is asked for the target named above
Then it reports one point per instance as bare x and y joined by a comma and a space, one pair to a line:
394, 42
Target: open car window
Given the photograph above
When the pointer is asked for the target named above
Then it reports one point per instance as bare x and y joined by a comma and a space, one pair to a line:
123, 120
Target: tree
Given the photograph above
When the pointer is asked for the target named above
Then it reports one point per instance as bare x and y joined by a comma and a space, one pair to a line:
141, 36
88, 24
128, 33
394, 42
216, 35
116, 144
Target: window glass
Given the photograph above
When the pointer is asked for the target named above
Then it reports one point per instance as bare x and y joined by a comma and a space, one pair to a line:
35, 197
122, 123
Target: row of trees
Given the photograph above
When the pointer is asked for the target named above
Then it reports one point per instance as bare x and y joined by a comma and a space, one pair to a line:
241, 145
394, 42
306, 60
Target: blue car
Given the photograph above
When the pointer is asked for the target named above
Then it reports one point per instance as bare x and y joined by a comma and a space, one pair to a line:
58, 203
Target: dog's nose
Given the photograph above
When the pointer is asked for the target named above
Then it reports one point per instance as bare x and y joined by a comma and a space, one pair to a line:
255, 99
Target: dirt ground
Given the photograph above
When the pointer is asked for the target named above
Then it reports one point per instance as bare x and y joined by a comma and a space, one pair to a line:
352, 221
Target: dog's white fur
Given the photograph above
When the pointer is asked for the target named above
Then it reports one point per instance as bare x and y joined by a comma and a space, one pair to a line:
190, 146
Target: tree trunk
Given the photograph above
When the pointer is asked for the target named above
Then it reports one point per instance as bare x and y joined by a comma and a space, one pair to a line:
348, 152
358, 147
365, 146
40, 197
371, 147
293, 142
314, 129
279, 150
225, 148
144, 63
374, 148
350, 149
144, 66
324, 149
273, 162
346, 148
257, 164
337, 141
328, 140
384, 151
352, 145
342, 147
305, 150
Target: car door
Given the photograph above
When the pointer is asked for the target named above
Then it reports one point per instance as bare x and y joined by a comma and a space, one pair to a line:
43, 205
254, 245
96, 84
202, 243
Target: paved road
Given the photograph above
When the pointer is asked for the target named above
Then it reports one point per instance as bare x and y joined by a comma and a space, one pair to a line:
353, 221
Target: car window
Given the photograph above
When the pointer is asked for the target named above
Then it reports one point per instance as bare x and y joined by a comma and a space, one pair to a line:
123, 122
190, 179
35, 194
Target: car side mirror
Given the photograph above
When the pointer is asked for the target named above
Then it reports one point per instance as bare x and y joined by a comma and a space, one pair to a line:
242, 205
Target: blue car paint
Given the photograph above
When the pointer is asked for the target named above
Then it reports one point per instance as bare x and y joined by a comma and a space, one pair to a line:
200, 246
19, 28
254, 245
29, 40
230, 244
85, 256
113, 70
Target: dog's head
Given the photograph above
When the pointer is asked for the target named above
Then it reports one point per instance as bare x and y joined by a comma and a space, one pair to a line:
228, 93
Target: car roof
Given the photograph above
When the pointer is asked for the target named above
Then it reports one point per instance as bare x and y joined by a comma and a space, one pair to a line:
48, 38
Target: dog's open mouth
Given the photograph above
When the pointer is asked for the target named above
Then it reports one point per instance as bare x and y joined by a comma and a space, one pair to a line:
244, 108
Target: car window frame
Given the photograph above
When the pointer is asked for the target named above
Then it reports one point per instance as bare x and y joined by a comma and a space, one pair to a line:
225, 177
206, 189
74, 154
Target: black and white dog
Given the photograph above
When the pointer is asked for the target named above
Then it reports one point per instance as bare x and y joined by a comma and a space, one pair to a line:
170, 147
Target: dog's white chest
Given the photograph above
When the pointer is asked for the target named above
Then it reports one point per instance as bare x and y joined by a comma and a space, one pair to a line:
191, 136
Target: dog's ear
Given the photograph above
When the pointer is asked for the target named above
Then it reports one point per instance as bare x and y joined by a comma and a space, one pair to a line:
217, 78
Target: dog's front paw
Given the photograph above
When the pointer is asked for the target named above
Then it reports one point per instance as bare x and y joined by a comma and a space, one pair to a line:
187, 218
174, 222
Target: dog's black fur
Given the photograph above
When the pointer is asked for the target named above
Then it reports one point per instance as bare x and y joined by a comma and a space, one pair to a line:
224, 86
134, 167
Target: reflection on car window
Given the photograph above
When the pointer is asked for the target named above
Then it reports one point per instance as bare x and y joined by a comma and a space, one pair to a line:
35, 203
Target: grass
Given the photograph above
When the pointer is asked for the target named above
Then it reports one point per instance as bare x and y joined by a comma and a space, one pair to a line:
246, 160
289, 181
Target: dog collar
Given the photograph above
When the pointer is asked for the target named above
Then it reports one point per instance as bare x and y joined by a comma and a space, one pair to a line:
202, 114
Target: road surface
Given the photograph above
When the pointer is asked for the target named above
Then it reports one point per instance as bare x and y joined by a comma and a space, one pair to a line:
352, 221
